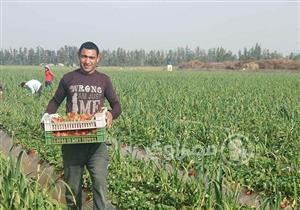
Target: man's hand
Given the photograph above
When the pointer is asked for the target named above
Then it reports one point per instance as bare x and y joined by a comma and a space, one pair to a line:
48, 117
109, 119
43, 120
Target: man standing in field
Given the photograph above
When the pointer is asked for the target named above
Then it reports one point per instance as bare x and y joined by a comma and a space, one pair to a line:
49, 76
85, 90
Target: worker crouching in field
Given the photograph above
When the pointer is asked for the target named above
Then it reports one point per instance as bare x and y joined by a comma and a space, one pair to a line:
34, 86
85, 90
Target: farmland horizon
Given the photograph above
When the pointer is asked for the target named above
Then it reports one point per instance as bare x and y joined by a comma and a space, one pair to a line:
147, 50
68, 55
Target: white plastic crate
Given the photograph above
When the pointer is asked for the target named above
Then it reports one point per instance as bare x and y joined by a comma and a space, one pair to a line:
98, 122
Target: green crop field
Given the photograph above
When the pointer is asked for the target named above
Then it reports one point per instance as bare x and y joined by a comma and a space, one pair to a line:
209, 135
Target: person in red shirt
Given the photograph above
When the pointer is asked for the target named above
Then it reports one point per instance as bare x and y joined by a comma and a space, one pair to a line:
49, 76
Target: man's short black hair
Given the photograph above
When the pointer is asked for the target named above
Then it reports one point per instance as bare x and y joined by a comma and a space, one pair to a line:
22, 84
90, 46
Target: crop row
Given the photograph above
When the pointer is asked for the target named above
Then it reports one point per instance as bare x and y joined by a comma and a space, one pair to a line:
243, 125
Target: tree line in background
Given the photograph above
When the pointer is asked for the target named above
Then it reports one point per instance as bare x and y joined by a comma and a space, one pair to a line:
67, 56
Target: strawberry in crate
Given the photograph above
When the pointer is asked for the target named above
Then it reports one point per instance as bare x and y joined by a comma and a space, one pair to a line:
72, 117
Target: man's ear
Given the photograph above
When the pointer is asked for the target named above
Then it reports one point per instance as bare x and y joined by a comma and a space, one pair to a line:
99, 58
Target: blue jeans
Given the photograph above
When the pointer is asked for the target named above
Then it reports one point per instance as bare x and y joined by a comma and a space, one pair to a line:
95, 157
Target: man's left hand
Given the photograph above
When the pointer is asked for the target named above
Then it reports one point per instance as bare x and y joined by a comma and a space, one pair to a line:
109, 119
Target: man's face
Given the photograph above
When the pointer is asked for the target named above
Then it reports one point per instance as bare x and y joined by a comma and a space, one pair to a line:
88, 60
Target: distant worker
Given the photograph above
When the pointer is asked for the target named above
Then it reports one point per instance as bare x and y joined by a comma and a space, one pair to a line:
169, 65
34, 86
1, 92
49, 76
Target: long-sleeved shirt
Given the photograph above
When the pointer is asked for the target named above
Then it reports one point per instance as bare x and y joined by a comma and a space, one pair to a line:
33, 85
85, 93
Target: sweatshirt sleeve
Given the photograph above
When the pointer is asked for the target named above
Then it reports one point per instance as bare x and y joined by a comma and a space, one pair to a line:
57, 99
113, 100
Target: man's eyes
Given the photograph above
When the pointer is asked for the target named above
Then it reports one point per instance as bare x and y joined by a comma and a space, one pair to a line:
89, 57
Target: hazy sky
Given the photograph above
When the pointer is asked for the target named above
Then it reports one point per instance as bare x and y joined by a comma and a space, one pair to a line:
159, 25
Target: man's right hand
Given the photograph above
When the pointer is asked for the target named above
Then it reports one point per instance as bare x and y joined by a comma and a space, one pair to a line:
46, 115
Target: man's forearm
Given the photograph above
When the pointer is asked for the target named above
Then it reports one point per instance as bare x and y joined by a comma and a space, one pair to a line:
52, 106
116, 110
